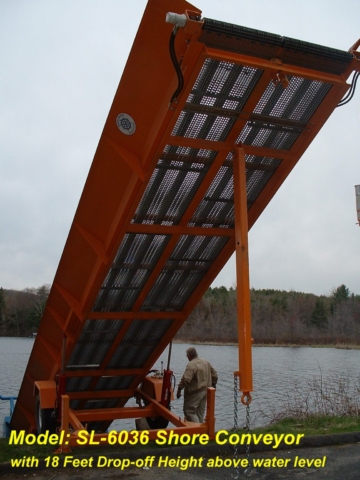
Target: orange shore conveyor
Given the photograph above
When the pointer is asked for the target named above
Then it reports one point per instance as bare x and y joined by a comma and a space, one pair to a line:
156, 221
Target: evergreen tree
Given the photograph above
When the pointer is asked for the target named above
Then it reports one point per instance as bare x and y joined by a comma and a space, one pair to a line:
319, 315
338, 295
37, 311
2, 302
2, 309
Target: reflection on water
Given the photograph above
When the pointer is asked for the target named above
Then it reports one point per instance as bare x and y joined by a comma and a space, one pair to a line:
275, 372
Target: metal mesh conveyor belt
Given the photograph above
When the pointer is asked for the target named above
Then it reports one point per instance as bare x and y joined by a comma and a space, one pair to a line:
155, 223
248, 41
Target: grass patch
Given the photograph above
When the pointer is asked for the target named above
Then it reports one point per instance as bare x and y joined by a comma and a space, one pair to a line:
7, 452
313, 425
19, 451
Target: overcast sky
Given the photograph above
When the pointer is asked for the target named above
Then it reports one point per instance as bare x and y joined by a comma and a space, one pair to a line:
60, 64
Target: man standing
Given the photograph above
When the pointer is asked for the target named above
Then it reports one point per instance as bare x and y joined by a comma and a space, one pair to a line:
198, 375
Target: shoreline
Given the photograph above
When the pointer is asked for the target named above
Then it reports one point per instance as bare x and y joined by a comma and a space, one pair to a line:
341, 346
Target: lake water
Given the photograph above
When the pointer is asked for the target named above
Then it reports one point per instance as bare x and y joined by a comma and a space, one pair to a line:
278, 374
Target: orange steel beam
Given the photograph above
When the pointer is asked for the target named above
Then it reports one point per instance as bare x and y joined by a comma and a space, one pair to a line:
166, 126
162, 125
201, 191
210, 145
128, 393
79, 305
272, 186
203, 188
66, 419
73, 419
230, 247
242, 273
179, 230
134, 315
355, 64
249, 106
211, 274
135, 189
115, 413
108, 372
161, 410
273, 66
77, 419
288, 155
156, 272
210, 411
184, 221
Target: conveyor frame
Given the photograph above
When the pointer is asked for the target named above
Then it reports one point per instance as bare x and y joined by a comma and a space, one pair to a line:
171, 194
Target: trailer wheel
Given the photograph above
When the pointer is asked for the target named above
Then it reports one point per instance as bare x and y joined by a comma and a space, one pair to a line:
156, 423
44, 418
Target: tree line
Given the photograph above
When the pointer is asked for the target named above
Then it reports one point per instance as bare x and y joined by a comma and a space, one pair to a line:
278, 317
21, 310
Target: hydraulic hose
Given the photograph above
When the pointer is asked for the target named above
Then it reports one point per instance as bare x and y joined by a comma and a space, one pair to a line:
176, 66
351, 92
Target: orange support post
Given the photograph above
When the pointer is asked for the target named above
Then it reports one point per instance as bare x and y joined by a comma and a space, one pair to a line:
65, 403
242, 274
210, 412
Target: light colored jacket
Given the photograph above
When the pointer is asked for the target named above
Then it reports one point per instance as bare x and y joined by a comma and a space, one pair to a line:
198, 375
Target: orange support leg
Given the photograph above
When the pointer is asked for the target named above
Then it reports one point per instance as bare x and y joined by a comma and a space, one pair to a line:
64, 428
242, 275
210, 412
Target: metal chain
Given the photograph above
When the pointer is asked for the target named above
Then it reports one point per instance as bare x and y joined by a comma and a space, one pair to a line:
236, 473
247, 471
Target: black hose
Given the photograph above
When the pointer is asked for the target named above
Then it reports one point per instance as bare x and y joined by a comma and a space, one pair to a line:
169, 355
351, 92
176, 66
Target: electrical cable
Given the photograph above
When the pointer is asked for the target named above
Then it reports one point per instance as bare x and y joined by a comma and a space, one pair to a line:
351, 91
176, 65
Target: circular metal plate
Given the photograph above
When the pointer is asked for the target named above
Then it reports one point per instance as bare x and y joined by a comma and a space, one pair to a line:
125, 123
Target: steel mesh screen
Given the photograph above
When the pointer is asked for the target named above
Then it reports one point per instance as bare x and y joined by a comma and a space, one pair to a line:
173, 184
78, 384
234, 38
139, 342
93, 343
298, 101
216, 209
223, 84
136, 257
186, 266
256, 43
114, 383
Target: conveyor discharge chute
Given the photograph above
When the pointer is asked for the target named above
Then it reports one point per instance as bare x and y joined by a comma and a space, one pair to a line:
156, 222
